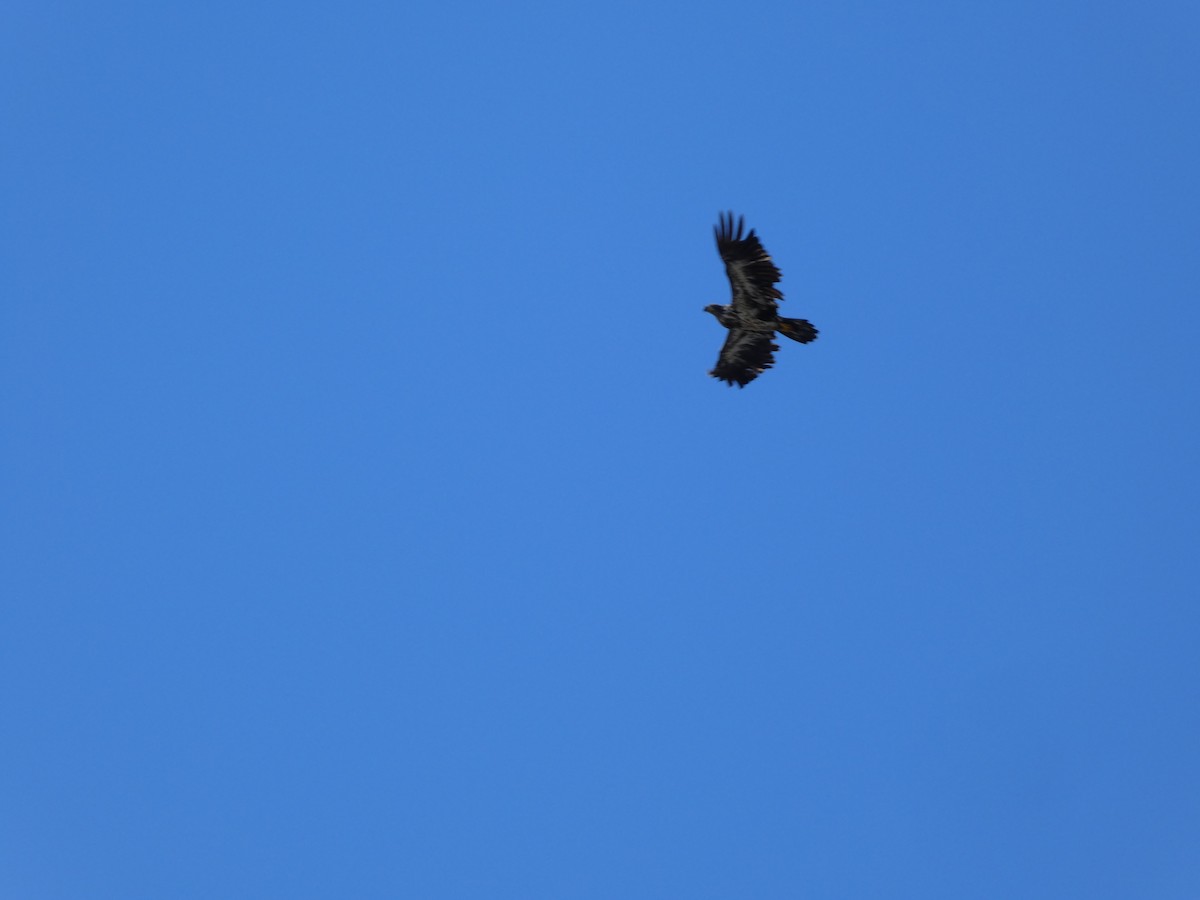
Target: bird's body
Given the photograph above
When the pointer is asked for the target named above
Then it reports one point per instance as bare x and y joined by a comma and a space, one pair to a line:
752, 317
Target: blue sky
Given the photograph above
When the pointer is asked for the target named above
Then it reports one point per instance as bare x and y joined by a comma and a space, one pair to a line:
372, 528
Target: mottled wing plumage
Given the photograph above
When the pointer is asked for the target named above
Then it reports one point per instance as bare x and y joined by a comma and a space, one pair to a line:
744, 355
752, 274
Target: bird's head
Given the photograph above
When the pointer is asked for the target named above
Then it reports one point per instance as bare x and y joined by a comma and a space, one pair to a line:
715, 308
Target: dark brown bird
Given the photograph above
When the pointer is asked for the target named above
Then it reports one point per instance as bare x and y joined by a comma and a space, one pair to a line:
752, 317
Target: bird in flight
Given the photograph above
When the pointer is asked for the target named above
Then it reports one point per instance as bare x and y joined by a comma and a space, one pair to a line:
752, 317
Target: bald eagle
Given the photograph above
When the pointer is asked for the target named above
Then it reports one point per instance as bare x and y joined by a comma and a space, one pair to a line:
751, 318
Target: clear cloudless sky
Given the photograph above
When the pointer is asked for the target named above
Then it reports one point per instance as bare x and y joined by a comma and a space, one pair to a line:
372, 529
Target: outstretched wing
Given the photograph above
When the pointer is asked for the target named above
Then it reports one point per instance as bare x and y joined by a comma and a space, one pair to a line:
744, 355
752, 274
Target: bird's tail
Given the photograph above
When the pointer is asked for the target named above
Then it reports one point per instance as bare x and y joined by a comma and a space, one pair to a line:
798, 329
